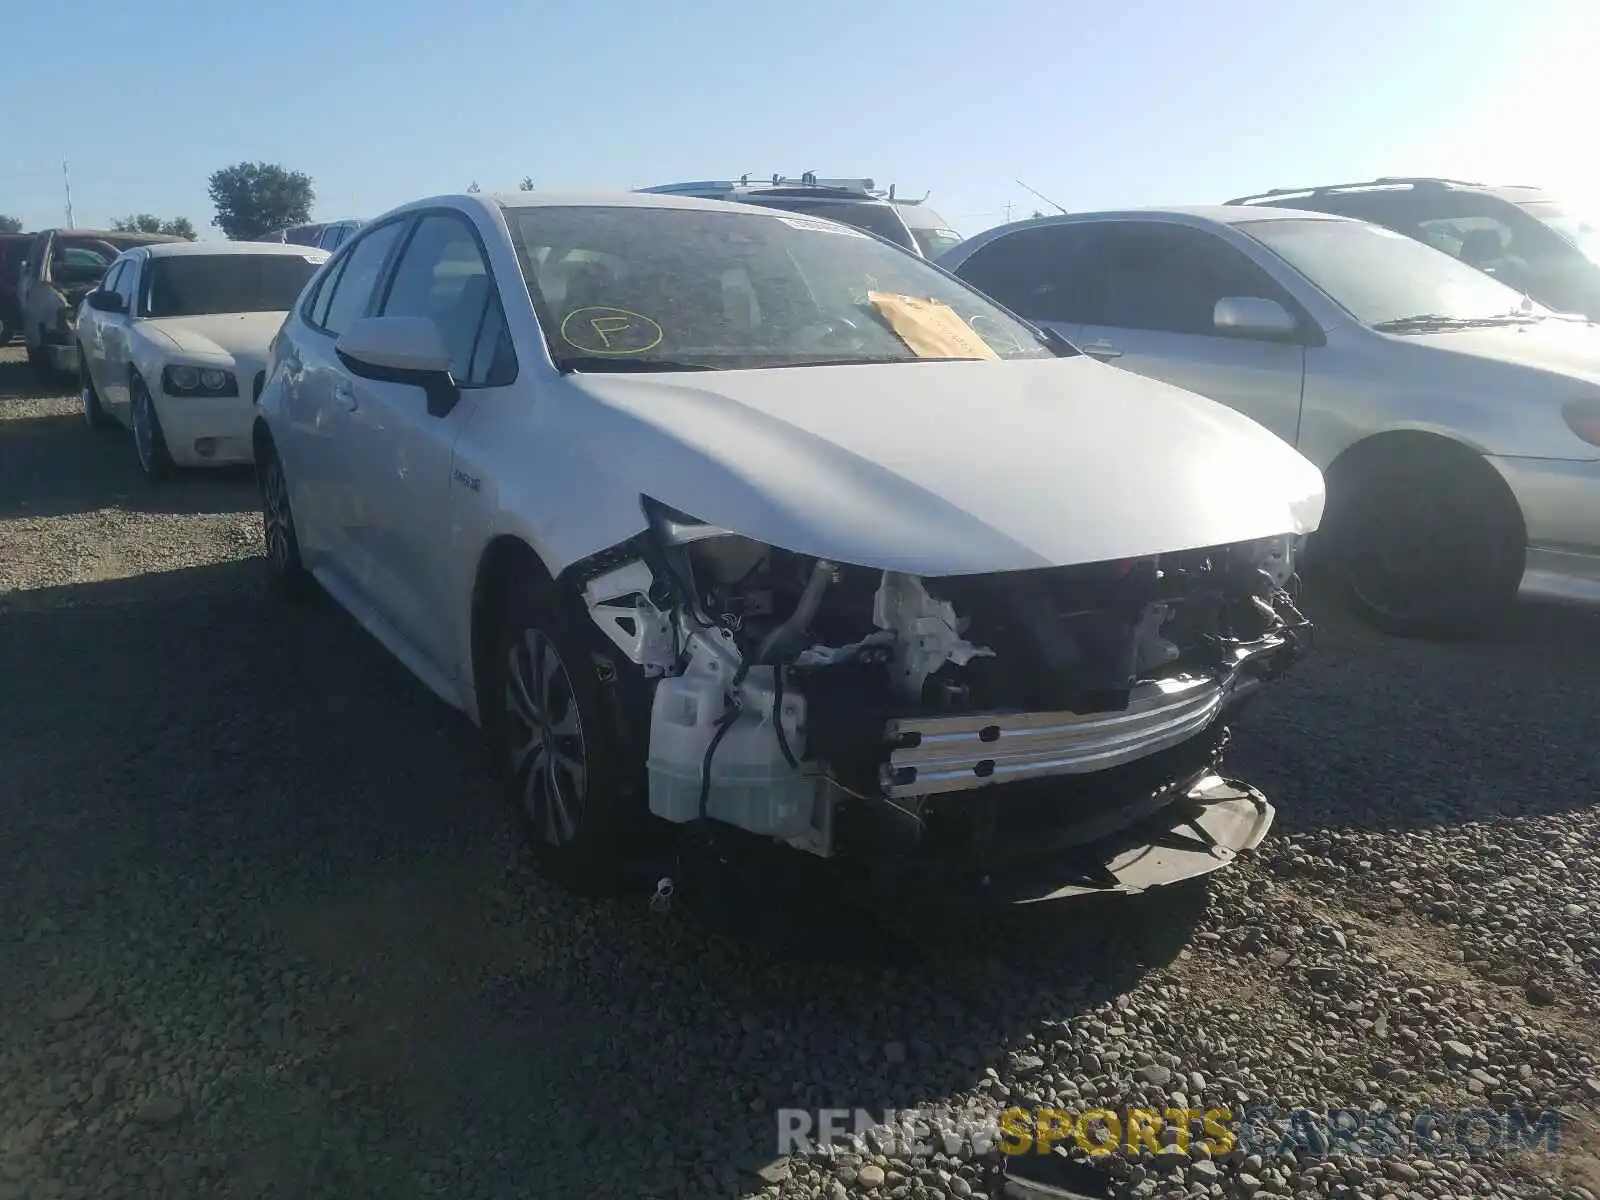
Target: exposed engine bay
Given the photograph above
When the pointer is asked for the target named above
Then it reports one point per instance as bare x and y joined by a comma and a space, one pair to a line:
960, 723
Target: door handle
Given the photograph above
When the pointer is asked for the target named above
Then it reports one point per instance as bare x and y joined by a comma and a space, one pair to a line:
346, 396
1101, 350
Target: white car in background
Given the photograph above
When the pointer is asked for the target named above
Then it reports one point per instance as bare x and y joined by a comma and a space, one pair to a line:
174, 341
1458, 422
733, 527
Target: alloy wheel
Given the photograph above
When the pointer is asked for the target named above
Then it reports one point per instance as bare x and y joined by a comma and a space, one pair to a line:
275, 514
544, 738
143, 434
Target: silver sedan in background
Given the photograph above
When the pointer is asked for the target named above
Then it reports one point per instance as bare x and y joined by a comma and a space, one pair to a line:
1457, 422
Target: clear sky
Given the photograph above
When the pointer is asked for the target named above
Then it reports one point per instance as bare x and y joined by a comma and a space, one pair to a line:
1095, 105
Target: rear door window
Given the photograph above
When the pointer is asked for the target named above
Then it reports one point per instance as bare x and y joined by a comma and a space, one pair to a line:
348, 297
1044, 273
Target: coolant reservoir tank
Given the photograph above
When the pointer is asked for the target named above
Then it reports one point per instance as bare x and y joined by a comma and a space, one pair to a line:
752, 784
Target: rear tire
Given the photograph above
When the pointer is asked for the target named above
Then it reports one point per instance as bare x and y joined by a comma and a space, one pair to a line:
287, 572
1423, 539
571, 769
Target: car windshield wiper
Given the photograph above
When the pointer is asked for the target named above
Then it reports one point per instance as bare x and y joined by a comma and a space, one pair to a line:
605, 362
1424, 321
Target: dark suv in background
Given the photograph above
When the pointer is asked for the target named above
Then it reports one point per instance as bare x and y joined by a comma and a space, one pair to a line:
1523, 236
13, 249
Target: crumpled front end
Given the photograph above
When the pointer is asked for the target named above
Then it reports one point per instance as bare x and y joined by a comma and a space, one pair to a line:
1025, 735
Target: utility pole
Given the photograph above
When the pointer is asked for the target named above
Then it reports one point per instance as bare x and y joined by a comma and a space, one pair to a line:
1009, 207
66, 179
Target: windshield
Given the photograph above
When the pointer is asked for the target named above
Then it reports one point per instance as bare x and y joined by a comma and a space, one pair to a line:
73, 264
1577, 228
880, 219
193, 285
644, 288
1380, 276
935, 242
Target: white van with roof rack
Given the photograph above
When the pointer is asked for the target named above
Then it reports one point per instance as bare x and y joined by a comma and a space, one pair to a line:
857, 202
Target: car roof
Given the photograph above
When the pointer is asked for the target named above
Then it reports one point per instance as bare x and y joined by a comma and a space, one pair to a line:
115, 235
1221, 214
509, 201
611, 200
1515, 193
213, 249
1217, 214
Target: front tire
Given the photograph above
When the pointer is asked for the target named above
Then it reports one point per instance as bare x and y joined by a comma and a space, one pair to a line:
573, 778
1424, 540
149, 443
94, 414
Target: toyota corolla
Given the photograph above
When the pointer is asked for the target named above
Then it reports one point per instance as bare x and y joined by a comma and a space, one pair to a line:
743, 528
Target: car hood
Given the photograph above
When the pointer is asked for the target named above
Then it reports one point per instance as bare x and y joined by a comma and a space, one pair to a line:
230, 335
950, 468
1562, 346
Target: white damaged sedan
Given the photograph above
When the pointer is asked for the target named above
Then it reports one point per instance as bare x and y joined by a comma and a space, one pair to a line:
739, 531
174, 340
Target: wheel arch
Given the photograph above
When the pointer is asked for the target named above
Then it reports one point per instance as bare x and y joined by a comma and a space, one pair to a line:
1445, 452
260, 442
506, 558
1440, 450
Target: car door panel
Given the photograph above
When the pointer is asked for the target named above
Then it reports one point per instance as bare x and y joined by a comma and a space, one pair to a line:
1263, 380
92, 339
318, 397
403, 458
117, 333
1154, 295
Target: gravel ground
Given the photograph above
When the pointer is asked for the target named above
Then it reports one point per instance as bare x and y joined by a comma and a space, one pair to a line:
266, 933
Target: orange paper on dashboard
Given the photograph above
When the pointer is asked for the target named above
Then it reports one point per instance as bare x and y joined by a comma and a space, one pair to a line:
931, 328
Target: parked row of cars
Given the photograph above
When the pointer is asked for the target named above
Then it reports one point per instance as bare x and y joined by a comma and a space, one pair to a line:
735, 527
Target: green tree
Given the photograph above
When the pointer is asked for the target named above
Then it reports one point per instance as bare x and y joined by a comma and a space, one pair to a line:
9, 224
150, 223
254, 198
473, 187
526, 185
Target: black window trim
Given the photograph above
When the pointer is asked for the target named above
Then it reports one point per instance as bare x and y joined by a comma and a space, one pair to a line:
386, 284
113, 272
135, 266
335, 266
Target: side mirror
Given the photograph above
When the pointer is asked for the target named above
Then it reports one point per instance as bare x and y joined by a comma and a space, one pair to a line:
404, 350
1253, 316
107, 302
